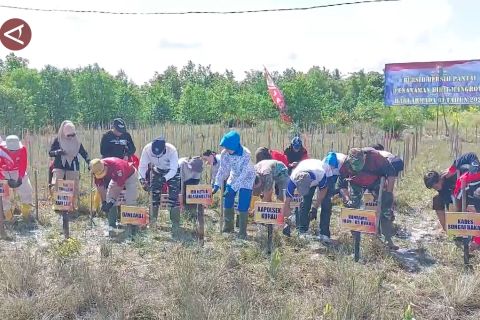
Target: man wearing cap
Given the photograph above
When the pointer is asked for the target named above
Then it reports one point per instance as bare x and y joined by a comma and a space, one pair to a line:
15, 171
267, 173
120, 175
190, 170
162, 158
308, 176
117, 142
363, 168
295, 153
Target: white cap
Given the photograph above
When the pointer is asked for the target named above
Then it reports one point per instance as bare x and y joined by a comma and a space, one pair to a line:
13, 143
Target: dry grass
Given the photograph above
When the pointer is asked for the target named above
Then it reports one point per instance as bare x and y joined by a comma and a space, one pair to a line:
152, 277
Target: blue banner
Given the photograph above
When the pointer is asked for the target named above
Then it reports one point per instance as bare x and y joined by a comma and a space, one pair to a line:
432, 83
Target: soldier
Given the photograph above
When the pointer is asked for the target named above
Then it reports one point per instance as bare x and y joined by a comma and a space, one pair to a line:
269, 172
363, 168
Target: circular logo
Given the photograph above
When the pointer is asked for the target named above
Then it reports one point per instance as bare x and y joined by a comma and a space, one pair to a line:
15, 34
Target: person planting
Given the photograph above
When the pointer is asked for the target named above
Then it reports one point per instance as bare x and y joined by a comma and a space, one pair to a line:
295, 153
235, 164
162, 159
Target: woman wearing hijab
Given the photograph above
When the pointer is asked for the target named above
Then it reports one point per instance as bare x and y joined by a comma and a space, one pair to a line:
65, 149
236, 165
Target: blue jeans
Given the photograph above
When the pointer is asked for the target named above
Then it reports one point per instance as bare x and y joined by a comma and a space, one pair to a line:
244, 198
326, 207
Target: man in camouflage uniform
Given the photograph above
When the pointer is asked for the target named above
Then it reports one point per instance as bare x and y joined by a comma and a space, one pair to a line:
363, 168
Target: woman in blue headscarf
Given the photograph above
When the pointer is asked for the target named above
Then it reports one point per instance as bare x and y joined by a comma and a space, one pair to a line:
236, 165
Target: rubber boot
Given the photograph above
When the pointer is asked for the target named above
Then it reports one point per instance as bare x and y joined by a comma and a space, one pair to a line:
175, 219
112, 217
8, 214
26, 211
243, 221
228, 223
386, 225
154, 216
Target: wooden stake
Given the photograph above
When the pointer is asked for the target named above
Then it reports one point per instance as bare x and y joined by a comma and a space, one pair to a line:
35, 176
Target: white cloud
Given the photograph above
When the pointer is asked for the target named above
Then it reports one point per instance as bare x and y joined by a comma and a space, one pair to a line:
348, 38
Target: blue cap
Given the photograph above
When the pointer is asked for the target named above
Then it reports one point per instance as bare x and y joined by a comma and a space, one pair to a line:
158, 146
296, 142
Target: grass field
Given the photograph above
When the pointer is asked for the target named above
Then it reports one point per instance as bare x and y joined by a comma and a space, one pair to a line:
91, 277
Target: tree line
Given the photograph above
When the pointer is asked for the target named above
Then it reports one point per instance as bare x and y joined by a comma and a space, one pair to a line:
32, 99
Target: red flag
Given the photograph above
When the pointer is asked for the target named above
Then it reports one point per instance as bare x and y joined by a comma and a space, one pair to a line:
277, 98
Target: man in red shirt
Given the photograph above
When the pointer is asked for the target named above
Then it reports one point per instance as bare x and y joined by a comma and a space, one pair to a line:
121, 174
14, 169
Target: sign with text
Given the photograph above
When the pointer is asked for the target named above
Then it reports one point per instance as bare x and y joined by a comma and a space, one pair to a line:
65, 186
134, 215
296, 200
268, 212
4, 190
433, 83
164, 201
358, 220
63, 196
463, 224
369, 201
199, 194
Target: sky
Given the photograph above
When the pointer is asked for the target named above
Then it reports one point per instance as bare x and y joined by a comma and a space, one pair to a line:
349, 38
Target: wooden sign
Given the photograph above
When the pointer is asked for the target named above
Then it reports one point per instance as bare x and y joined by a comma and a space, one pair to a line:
63, 196
463, 224
296, 201
4, 190
67, 186
358, 220
199, 194
164, 201
369, 201
269, 212
134, 215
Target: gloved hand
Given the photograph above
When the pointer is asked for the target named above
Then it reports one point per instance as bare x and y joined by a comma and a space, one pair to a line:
19, 182
215, 188
12, 183
60, 152
106, 206
228, 191
145, 185
313, 213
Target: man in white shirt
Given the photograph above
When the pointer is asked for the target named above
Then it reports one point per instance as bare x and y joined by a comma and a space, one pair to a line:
162, 160
309, 175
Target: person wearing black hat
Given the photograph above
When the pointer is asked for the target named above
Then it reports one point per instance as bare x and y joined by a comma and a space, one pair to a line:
162, 158
117, 142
